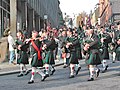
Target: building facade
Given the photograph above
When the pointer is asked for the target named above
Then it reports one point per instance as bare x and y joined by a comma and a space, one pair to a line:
109, 11
28, 14
104, 11
115, 8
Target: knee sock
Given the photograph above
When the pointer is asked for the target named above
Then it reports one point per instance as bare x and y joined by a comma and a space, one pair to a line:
72, 68
47, 68
91, 72
104, 63
21, 68
33, 73
114, 54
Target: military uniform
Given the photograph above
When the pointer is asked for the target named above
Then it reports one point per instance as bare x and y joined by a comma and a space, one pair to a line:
78, 48
93, 56
117, 49
117, 52
35, 62
22, 55
104, 45
49, 55
73, 58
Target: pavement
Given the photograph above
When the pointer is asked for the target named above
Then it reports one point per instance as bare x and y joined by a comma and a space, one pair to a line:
7, 69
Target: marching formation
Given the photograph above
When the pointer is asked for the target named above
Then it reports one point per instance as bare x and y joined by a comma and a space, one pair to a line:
72, 45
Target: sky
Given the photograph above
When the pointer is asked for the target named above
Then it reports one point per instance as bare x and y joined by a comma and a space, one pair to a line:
77, 6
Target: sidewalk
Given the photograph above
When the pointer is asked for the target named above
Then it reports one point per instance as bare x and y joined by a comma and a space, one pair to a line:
6, 68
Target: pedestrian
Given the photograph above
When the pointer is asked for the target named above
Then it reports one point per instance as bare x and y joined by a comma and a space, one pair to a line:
11, 43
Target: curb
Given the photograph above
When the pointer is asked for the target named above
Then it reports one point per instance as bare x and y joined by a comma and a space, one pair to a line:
18, 71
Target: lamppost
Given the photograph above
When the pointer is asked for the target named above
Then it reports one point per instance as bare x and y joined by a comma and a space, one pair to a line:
45, 21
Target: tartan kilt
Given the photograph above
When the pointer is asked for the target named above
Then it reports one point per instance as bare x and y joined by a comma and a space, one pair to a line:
94, 58
49, 58
105, 53
78, 53
73, 58
22, 58
35, 62
118, 54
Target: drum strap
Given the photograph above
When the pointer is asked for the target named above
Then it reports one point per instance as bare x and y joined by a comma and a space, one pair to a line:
37, 49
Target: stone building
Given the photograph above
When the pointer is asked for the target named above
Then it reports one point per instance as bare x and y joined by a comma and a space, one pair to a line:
104, 11
28, 14
109, 11
115, 8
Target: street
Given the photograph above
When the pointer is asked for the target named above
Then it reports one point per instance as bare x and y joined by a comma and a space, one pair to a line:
60, 80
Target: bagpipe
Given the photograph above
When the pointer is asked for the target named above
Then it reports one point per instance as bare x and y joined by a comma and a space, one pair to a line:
86, 41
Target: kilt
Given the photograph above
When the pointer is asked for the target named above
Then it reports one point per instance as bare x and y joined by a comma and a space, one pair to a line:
118, 54
22, 58
94, 58
78, 53
105, 53
49, 58
35, 62
73, 58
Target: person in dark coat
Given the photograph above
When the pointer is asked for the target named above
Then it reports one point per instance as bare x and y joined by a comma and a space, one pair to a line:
91, 50
78, 41
71, 43
105, 40
116, 34
22, 55
36, 58
117, 49
49, 46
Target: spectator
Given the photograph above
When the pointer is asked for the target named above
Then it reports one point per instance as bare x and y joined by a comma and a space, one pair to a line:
11, 43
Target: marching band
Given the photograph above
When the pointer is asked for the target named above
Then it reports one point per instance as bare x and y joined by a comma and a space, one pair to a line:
73, 44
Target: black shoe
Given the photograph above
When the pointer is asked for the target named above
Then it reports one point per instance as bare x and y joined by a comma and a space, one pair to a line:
44, 77
97, 73
103, 71
106, 67
71, 76
52, 72
90, 79
20, 75
47, 75
78, 70
113, 62
30, 82
27, 72
44, 71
